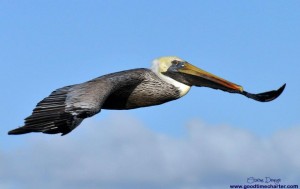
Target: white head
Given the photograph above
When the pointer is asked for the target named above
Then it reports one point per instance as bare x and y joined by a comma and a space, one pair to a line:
162, 64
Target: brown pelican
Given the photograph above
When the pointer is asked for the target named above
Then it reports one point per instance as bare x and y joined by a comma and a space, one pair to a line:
169, 79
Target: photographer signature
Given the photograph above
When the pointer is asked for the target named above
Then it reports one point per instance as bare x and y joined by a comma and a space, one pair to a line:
251, 180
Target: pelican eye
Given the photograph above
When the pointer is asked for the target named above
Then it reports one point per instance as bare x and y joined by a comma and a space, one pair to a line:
178, 64
182, 64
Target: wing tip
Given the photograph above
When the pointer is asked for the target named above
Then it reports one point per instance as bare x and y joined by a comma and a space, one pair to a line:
18, 131
21, 130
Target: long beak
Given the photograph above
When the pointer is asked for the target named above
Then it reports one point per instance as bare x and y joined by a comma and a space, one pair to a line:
191, 75
199, 77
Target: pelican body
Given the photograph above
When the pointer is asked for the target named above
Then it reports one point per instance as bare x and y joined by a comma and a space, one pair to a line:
169, 79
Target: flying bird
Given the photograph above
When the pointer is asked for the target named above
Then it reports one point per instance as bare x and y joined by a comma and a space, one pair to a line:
168, 79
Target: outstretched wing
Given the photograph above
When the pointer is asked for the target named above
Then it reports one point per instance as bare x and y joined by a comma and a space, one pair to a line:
65, 108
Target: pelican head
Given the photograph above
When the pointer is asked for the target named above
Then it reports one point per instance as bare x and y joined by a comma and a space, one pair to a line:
161, 66
183, 75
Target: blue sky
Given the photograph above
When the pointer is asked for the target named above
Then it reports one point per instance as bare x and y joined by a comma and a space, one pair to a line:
49, 44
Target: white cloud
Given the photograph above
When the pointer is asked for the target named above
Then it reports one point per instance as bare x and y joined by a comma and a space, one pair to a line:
121, 153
